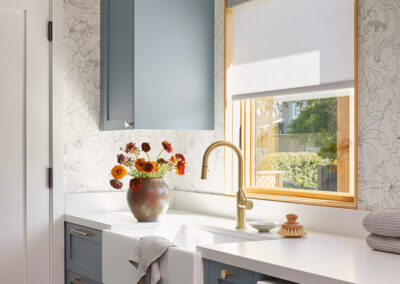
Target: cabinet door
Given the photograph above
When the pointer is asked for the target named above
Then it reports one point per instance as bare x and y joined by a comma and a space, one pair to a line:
83, 251
117, 92
174, 64
238, 275
157, 64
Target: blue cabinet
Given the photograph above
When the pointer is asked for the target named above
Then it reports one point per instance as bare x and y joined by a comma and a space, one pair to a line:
83, 254
220, 273
157, 64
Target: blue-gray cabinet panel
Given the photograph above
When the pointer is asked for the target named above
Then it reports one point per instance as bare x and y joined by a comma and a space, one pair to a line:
174, 64
157, 64
212, 274
74, 278
83, 253
117, 78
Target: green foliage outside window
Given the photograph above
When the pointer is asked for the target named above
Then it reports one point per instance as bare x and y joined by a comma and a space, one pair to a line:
299, 168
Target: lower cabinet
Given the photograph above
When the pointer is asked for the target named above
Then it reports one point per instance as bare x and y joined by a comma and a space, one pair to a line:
220, 273
83, 255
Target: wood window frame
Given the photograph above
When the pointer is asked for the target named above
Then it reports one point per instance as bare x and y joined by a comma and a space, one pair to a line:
346, 196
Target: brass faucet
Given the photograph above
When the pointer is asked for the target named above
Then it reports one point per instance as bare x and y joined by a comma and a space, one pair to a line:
241, 199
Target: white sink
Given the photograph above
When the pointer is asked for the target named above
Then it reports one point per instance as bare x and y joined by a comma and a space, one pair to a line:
189, 236
181, 264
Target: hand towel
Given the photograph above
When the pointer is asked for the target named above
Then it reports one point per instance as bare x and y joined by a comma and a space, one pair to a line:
383, 222
386, 244
145, 258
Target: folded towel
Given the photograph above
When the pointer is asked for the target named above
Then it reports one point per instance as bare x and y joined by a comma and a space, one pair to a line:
383, 222
386, 244
145, 257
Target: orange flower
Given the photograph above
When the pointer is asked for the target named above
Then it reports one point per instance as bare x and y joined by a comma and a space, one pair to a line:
161, 161
156, 167
140, 164
149, 167
118, 172
180, 168
173, 160
167, 146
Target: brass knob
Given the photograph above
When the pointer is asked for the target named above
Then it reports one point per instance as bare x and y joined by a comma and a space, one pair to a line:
128, 123
76, 281
225, 273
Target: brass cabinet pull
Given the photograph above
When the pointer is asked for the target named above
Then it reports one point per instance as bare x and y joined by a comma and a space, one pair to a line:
81, 233
128, 123
77, 281
225, 273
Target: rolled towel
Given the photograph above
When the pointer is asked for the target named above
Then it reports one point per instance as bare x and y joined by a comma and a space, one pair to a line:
383, 222
145, 258
386, 244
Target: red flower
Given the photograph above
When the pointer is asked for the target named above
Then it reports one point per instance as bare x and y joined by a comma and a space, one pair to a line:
180, 157
135, 183
161, 161
121, 159
131, 148
116, 184
180, 168
146, 147
149, 167
167, 146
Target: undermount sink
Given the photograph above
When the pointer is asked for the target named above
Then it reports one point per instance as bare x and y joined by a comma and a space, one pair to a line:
180, 264
190, 236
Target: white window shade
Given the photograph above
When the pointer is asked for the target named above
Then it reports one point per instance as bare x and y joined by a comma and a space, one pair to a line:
292, 46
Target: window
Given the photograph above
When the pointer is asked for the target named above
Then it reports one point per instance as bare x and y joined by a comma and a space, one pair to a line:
293, 112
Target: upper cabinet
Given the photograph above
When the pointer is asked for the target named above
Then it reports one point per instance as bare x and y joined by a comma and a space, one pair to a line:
157, 64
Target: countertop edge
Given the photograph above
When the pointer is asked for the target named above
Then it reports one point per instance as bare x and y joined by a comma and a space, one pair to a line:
267, 268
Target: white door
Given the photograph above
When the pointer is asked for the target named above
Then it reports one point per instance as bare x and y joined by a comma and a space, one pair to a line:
24, 142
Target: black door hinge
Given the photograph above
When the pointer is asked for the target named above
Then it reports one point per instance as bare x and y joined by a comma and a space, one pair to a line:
50, 31
50, 178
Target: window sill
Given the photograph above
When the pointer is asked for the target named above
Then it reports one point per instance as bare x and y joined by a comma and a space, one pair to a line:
307, 197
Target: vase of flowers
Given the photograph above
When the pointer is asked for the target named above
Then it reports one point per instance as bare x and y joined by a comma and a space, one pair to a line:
148, 195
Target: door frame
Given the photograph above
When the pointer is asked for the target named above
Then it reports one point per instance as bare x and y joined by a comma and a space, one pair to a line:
57, 269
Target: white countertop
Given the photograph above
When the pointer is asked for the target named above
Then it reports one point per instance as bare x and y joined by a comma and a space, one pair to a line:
318, 258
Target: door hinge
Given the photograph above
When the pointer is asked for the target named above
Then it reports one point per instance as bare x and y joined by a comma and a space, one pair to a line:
50, 178
50, 31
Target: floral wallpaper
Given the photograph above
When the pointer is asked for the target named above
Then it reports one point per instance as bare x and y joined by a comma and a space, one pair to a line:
89, 154
379, 104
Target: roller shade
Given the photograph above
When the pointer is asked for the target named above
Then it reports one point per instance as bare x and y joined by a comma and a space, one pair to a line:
283, 47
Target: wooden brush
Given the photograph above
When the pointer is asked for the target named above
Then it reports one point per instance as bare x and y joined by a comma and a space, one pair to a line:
292, 229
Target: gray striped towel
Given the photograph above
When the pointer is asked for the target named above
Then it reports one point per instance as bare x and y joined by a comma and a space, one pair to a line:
386, 244
145, 258
383, 222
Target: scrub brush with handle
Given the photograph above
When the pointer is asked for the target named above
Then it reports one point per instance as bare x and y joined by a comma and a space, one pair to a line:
292, 229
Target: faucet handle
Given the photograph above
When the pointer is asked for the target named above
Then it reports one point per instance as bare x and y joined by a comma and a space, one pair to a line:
249, 204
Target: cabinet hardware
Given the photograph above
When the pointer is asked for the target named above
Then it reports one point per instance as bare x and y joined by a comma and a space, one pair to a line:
76, 281
225, 273
50, 31
127, 123
81, 233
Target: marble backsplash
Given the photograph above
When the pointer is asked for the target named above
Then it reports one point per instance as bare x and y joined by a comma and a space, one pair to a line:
89, 154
